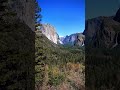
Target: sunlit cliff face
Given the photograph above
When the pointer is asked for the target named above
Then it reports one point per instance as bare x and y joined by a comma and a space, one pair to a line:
50, 32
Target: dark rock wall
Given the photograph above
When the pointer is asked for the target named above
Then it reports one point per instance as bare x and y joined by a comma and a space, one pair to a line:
25, 10
102, 32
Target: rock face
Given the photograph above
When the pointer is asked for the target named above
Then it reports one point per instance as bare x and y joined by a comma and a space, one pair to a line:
25, 10
117, 16
91, 26
103, 31
76, 39
50, 32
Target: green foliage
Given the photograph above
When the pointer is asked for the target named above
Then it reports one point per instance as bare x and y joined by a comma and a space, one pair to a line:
48, 53
52, 53
16, 58
102, 68
37, 13
56, 80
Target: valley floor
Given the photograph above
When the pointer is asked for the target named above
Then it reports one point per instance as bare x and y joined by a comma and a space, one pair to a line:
58, 67
68, 77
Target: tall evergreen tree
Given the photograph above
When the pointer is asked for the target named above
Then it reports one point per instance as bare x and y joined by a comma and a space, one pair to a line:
38, 16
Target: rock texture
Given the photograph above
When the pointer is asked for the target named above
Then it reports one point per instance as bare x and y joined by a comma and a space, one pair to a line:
73, 39
103, 31
50, 32
91, 26
25, 10
117, 16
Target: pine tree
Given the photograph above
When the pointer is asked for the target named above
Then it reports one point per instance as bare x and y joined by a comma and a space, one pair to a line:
37, 15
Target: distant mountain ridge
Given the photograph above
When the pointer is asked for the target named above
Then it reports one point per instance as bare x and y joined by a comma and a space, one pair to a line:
73, 39
49, 31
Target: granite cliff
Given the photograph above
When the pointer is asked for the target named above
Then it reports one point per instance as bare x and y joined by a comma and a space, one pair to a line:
117, 16
50, 32
25, 10
103, 31
76, 39
102, 52
19, 9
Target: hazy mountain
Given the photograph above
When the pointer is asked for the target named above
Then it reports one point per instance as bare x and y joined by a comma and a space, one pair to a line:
73, 39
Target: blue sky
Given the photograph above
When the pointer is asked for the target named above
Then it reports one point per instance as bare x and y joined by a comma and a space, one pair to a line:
95, 8
67, 16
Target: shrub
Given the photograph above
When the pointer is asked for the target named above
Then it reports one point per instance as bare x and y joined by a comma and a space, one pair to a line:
55, 76
56, 80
